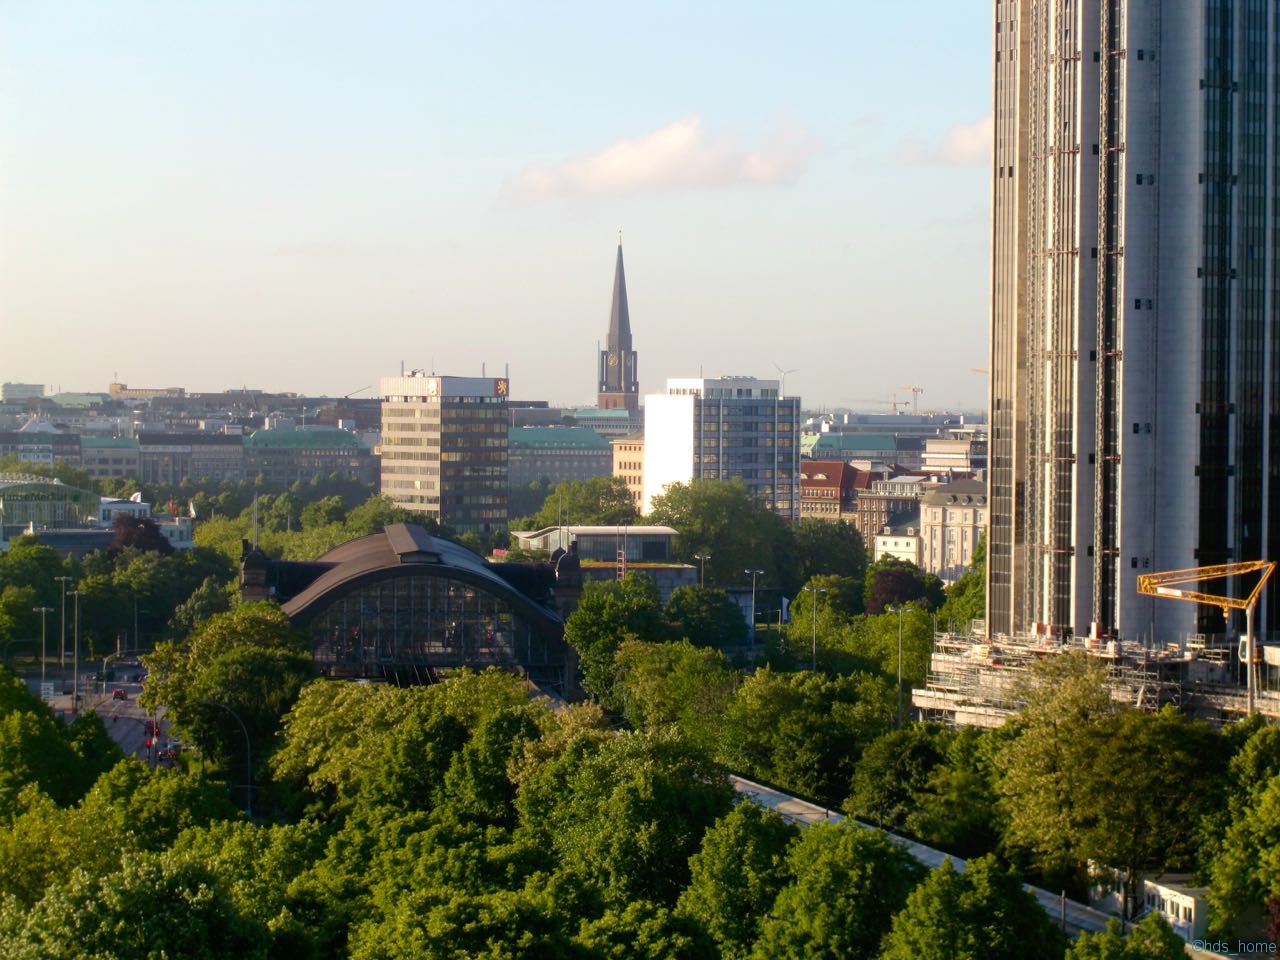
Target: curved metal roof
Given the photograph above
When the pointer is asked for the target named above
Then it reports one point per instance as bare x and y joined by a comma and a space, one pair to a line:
408, 550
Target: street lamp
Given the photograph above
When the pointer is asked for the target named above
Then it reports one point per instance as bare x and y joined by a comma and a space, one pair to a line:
248, 756
62, 636
753, 574
42, 611
75, 657
815, 591
704, 557
900, 609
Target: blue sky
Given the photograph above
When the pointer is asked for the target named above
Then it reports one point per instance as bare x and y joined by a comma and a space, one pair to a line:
298, 196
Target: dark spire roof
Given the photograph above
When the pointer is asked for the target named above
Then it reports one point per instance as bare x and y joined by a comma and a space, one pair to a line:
619, 315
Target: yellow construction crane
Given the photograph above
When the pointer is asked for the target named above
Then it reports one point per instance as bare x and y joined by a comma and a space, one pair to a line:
1166, 585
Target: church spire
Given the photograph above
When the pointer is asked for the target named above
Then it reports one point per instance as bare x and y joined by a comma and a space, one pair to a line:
619, 314
619, 385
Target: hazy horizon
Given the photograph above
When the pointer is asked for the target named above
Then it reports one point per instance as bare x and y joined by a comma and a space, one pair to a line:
299, 197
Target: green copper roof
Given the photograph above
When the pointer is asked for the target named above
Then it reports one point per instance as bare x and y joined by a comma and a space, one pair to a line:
847, 442
301, 440
556, 438
90, 442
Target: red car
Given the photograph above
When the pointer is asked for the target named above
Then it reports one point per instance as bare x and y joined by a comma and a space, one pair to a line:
119, 694
151, 727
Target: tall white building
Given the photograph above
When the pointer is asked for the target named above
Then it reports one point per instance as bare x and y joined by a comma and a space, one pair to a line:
1135, 373
721, 429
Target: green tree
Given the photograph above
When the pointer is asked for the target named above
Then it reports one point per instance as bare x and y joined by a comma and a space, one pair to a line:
891, 581
154, 806
1046, 799
848, 885
958, 809
981, 914
1144, 791
705, 616
839, 599
658, 684
736, 876
967, 598
322, 513
608, 613
831, 549
1247, 868
628, 811
596, 501
804, 732
892, 771
150, 907
723, 519
1151, 939
642, 931
248, 661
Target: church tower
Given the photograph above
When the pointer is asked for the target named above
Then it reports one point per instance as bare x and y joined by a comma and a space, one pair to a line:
619, 383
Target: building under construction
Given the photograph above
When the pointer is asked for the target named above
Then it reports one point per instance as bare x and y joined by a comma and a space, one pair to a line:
974, 681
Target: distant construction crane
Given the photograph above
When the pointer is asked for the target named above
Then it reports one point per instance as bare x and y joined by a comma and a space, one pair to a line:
916, 390
1165, 585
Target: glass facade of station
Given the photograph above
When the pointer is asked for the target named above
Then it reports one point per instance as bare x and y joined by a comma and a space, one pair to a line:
425, 620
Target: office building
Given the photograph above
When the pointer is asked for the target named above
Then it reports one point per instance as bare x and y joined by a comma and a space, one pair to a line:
554, 454
628, 464
619, 382
17, 392
284, 456
952, 518
1134, 358
722, 429
444, 448
173, 457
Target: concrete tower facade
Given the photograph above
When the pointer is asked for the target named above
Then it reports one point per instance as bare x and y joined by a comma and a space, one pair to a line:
1135, 374
619, 382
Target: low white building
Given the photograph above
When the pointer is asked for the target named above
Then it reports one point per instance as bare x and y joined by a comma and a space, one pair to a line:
900, 539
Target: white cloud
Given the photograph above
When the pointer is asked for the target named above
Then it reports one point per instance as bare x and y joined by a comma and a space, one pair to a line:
964, 145
680, 155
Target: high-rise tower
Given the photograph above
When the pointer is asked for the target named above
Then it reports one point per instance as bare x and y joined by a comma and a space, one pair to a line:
619, 384
1135, 368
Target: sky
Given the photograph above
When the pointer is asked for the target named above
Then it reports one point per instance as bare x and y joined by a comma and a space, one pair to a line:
301, 196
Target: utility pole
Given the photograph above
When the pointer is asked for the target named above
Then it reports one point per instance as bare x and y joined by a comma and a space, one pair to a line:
43, 652
62, 636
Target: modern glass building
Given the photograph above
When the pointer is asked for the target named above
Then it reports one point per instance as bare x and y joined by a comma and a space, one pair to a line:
27, 499
1135, 367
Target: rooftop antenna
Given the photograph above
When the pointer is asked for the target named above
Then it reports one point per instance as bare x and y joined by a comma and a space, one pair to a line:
619, 236
782, 388
402, 368
481, 369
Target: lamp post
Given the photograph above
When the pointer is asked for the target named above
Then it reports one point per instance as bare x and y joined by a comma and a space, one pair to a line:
248, 756
704, 557
62, 636
900, 609
815, 591
42, 611
75, 658
753, 574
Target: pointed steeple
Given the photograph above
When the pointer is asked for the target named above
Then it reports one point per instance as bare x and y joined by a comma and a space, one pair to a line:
619, 385
619, 316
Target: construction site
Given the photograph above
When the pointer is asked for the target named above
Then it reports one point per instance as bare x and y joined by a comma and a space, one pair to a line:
975, 681
978, 679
